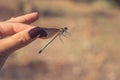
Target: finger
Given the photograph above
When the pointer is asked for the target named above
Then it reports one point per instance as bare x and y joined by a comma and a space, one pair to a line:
27, 19
20, 39
7, 29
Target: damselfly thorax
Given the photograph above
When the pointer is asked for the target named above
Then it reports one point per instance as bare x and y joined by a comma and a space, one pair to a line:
53, 31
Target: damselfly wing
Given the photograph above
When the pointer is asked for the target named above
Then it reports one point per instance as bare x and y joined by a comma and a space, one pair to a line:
60, 32
50, 32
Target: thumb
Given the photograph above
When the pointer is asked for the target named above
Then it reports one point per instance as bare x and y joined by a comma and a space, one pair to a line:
20, 39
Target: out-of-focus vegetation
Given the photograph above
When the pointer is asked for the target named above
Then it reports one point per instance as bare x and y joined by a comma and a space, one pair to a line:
90, 52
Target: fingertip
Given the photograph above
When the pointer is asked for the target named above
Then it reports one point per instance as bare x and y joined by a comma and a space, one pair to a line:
35, 14
31, 17
27, 19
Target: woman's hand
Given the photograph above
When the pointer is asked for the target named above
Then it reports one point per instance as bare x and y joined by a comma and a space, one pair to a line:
16, 33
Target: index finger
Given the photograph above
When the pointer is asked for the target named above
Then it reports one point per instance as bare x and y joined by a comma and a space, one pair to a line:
27, 19
7, 29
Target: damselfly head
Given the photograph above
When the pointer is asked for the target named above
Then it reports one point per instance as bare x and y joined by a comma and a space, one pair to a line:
65, 28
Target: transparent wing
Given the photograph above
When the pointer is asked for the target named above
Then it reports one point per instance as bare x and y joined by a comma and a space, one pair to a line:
50, 32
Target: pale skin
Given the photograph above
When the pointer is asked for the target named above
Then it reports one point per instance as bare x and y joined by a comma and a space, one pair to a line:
14, 34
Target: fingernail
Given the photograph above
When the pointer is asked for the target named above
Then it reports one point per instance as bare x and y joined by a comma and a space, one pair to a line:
37, 31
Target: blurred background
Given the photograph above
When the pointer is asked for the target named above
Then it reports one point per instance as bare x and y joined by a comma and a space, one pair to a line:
91, 50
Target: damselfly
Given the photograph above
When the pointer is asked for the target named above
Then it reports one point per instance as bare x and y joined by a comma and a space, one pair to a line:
61, 31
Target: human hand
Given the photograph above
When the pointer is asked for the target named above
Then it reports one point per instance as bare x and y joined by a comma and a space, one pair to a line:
17, 33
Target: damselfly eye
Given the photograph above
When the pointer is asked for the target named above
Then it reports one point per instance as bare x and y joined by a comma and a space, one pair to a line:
65, 28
